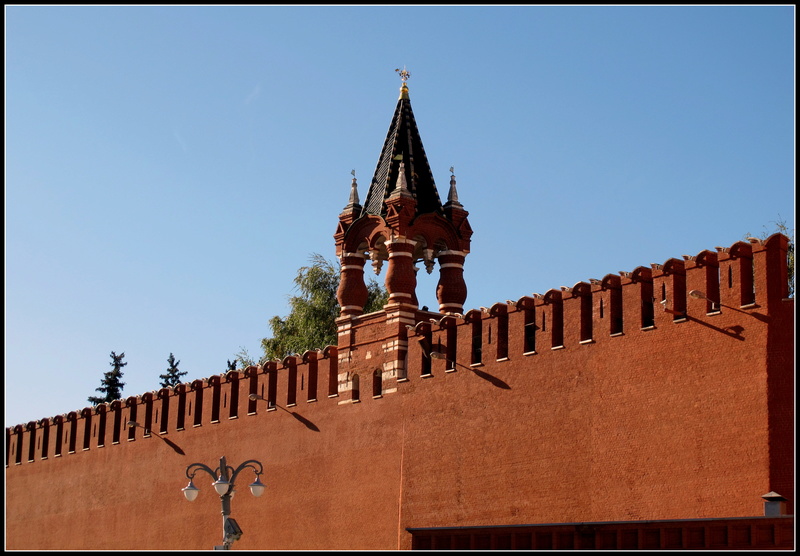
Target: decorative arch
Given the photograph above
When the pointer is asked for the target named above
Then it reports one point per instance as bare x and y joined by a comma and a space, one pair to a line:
367, 228
437, 229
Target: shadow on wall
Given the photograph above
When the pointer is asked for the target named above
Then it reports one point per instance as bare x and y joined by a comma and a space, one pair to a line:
167, 441
309, 425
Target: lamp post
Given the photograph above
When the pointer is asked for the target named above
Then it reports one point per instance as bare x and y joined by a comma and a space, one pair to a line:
225, 476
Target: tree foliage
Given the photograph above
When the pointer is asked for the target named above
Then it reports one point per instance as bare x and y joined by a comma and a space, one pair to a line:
173, 375
311, 323
111, 386
243, 358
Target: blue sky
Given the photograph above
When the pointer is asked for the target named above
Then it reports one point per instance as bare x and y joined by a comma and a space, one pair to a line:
168, 169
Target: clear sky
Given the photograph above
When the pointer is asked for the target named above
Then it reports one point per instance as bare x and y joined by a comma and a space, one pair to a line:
168, 169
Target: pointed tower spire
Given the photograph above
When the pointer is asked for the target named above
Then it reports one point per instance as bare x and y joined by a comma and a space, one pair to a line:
402, 222
403, 146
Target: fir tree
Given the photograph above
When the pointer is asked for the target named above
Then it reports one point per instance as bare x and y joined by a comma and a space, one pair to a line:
173, 376
111, 385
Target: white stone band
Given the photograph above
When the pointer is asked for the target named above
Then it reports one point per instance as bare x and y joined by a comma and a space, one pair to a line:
399, 240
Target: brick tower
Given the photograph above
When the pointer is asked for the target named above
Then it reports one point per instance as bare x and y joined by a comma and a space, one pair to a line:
402, 221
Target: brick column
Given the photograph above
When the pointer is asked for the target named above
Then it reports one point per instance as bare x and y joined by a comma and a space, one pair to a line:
451, 290
401, 280
352, 292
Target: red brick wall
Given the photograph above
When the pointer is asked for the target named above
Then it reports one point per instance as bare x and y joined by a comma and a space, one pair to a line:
688, 417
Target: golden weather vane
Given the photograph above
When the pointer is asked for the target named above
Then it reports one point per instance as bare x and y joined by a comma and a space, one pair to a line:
404, 74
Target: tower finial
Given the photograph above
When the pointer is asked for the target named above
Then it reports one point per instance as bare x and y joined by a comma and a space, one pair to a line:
404, 75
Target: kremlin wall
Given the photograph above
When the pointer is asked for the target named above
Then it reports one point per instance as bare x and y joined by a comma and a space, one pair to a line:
649, 409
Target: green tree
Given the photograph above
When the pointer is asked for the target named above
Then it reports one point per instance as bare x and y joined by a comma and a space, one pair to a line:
244, 359
311, 323
111, 385
173, 375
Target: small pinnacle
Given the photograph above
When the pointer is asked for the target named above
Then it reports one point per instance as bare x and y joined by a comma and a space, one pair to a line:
354, 201
452, 195
402, 185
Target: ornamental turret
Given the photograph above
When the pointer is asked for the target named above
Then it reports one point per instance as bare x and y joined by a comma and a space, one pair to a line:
403, 222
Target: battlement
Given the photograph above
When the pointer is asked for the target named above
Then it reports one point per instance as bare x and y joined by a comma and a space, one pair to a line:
747, 278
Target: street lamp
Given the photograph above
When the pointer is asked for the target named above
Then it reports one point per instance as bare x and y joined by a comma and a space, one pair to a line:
225, 476
697, 294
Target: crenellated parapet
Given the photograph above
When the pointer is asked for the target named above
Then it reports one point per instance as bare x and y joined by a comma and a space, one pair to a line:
748, 278
218, 399
734, 291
